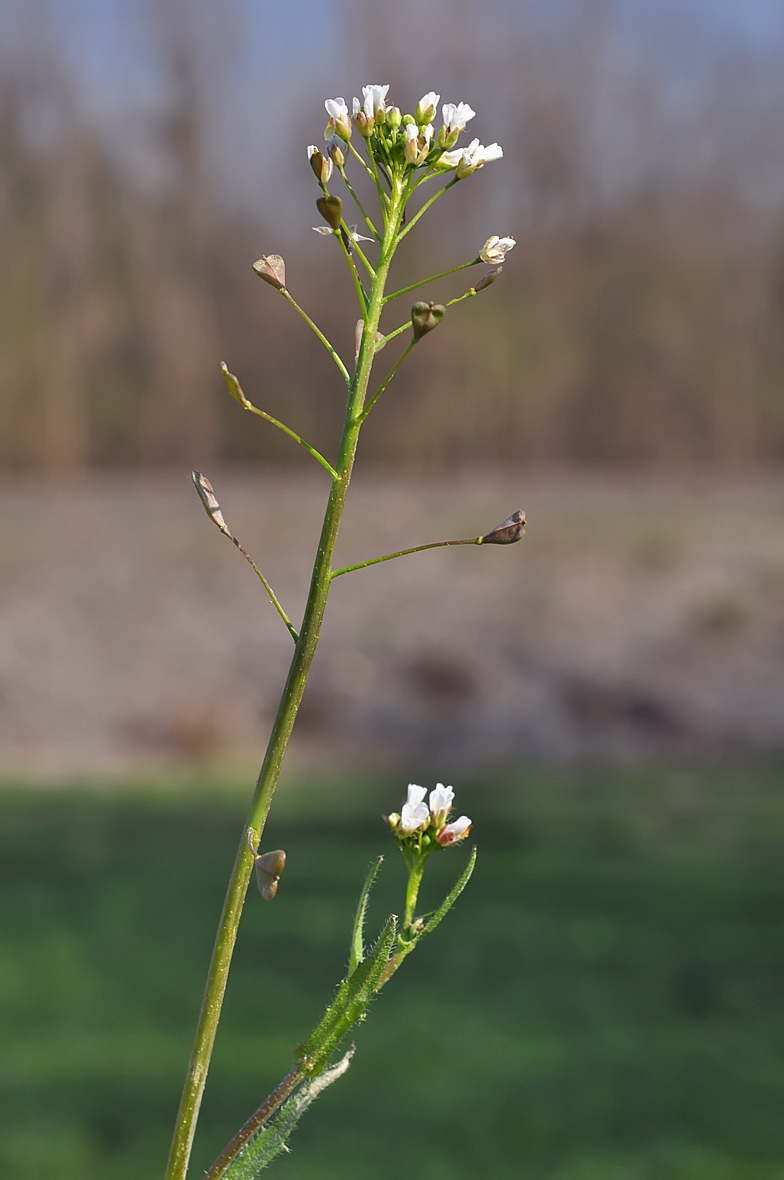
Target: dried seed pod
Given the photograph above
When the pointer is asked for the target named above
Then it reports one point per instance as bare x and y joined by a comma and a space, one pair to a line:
509, 531
272, 269
269, 866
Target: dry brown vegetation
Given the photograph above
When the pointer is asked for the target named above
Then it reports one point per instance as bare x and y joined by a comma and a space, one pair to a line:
639, 320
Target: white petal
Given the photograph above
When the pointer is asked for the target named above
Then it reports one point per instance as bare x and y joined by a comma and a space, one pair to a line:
413, 817
415, 794
336, 107
322, 229
493, 152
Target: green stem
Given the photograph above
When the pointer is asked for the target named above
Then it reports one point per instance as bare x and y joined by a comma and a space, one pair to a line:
255, 1122
361, 565
304, 652
387, 379
356, 246
292, 434
361, 296
346, 375
425, 208
432, 279
364, 164
272, 596
359, 204
412, 892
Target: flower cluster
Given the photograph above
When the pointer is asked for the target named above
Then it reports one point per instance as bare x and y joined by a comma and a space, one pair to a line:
422, 828
402, 142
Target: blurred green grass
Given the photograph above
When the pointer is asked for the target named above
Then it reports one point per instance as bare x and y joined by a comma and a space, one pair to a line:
606, 1001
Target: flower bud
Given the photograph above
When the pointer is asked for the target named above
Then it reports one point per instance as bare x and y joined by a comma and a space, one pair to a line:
233, 386
359, 332
509, 531
425, 317
364, 125
322, 167
209, 500
408, 120
268, 867
272, 269
336, 152
394, 117
426, 107
488, 279
330, 209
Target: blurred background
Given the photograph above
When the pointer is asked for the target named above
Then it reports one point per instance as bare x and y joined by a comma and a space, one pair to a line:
606, 696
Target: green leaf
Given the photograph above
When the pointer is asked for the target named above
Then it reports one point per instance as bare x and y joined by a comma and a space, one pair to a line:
357, 950
350, 1004
271, 1139
432, 920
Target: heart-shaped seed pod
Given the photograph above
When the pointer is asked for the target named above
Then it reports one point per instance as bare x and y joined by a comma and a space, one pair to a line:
330, 209
425, 317
509, 531
269, 866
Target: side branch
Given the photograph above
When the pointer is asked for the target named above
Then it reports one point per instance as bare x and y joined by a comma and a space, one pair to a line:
359, 204
431, 279
256, 1120
346, 376
388, 377
361, 565
235, 389
424, 209
213, 510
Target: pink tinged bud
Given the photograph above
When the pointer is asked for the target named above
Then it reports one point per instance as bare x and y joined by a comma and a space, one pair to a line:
330, 209
509, 531
425, 317
496, 249
272, 269
452, 833
359, 332
269, 866
441, 800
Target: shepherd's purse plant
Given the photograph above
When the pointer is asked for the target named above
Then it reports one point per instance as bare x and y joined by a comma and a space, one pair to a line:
402, 154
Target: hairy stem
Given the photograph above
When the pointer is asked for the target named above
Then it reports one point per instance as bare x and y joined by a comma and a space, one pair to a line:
255, 1122
304, 651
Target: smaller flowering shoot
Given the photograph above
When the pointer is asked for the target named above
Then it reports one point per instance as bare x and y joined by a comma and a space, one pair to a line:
391, 156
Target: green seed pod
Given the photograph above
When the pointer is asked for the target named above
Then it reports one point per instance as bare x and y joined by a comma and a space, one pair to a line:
425, 317
269, 866
330, 209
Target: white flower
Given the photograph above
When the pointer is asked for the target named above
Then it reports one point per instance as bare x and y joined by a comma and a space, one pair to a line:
426, 107
454, 832
336, 108
417, 143
339, 122
414, 814
456, 117
352, 232
495, 250
476, 156
374, 100
441, 800
449, 159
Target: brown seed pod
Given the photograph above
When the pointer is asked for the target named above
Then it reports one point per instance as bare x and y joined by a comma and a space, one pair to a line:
509, 531
269, 866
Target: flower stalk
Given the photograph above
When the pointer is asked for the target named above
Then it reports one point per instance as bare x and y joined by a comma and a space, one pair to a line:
399, 158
